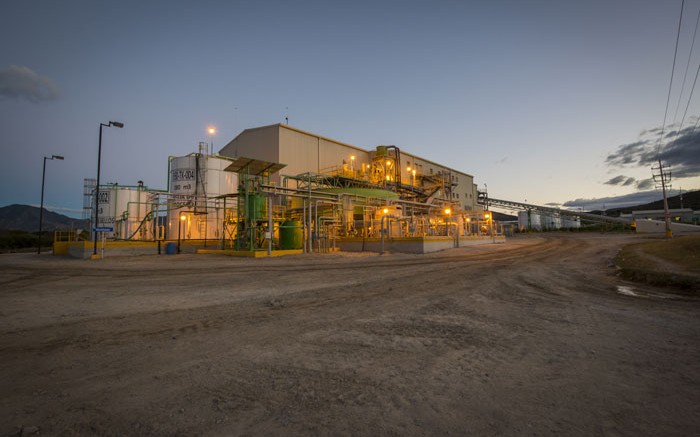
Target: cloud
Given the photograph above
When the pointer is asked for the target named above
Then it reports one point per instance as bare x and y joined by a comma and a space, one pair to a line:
23, 83
621, 180
638, 198
645, 184
680, 150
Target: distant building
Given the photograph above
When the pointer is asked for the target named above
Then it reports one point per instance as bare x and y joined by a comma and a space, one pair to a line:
685, 215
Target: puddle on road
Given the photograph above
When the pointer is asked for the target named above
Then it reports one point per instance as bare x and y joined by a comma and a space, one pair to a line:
627, 291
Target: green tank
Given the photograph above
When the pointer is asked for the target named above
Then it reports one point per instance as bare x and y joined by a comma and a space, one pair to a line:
382, 150
257, 207
291, 237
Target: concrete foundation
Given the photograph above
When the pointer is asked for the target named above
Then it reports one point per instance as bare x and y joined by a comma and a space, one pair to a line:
413, 244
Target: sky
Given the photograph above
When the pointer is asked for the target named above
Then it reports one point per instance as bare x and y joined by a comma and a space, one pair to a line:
548, 102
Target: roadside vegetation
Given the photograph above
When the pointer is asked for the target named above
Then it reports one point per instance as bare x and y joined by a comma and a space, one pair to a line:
23, 241
669, 262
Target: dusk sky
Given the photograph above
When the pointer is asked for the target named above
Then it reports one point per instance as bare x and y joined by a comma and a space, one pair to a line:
544, 101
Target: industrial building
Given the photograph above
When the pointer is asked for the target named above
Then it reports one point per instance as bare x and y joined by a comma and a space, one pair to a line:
387, 167
278, 188
335, 194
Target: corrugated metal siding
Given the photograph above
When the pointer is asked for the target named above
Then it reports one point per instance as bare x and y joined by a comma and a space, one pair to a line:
303, 152
299, 151
334, 155
261, 143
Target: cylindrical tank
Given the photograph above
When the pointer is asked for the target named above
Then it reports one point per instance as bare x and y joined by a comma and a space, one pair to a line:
382, 150
195, 180
257, 207
291, 237
122, 209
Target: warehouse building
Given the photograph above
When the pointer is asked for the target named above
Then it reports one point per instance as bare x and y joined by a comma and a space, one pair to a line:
329, 194
386, 167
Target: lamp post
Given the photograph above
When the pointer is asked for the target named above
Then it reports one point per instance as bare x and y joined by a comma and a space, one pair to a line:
489, 218
41, 208
448, 221
212, 132
381, 227
183, 217
97, 184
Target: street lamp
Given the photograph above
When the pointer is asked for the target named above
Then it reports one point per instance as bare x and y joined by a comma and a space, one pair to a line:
41, 208
97, 185
183, 217
489, 219
212, 132
381, 227
448, 222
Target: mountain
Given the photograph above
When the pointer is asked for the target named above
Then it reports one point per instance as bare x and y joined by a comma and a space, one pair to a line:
691, 200
26, 218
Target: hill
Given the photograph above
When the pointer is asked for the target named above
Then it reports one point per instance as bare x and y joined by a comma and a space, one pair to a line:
691, 200
26, 218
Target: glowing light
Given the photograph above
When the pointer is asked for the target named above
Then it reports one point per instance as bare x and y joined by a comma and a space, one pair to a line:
352, 158
409, 168
487, 216
448, 210
388, 162
388, 178
386, 210
183, 217
414, 172
211, 130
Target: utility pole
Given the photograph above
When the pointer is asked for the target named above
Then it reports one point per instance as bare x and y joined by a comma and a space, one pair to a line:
662, 177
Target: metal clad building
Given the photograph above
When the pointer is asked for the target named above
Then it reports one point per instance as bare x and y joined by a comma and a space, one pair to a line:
303, 152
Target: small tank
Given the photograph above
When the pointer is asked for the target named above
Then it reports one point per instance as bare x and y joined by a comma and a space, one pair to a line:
291, 237
257, 207
382, 150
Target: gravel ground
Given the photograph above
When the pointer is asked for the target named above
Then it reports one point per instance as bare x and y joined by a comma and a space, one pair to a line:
536, 336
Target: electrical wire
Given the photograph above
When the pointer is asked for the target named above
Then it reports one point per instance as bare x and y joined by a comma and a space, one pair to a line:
687, 65
670, 86
692, 90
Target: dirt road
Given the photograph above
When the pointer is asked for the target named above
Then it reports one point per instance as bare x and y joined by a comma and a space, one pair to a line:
531, 337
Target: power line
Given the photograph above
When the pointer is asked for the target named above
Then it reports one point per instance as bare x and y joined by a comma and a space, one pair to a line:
685, 75
692, 90
670, 86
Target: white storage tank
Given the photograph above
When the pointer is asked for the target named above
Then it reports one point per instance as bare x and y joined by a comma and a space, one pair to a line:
124, 209
195, 181
570, 222
529, 220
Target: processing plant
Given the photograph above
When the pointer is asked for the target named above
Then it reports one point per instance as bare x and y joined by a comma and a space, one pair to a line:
279, 189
